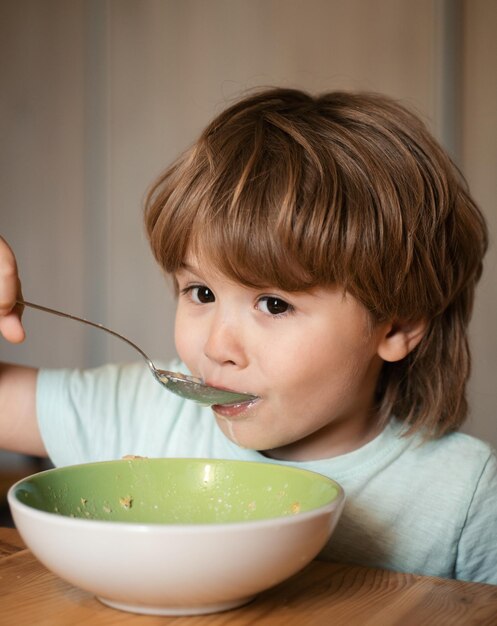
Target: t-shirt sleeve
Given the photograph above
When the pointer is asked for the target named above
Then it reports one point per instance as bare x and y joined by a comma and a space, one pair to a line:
477, 550
103, 413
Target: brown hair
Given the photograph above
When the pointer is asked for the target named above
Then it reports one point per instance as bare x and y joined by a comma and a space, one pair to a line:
288, 190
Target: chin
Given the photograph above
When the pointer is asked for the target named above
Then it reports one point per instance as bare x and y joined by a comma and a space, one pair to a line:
232, 431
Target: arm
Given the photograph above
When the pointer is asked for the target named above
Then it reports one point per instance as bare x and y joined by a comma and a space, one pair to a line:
18, 424
19, 430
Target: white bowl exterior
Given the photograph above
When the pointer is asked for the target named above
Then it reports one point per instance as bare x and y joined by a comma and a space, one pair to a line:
175, 566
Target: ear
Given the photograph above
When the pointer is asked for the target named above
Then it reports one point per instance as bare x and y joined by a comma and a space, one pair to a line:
400, 338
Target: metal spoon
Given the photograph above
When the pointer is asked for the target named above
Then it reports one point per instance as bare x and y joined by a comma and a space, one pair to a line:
188, 387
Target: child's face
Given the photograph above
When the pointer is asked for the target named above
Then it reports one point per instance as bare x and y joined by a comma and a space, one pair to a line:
311, 357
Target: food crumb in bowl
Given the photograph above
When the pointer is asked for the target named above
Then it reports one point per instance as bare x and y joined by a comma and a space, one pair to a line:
251, 506
295, 508
126, 502
132, 457
83, 501
106, 509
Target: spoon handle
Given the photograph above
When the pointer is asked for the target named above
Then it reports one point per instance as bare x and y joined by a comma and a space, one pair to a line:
94, 324
183, 386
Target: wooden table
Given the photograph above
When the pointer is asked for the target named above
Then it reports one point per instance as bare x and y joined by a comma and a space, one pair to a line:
322, 594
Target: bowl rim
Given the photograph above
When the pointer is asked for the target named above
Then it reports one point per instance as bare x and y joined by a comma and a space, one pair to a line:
140, 527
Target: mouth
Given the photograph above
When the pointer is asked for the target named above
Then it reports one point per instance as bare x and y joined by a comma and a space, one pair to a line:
234, 410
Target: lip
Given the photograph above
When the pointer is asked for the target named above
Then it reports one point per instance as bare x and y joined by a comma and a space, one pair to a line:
234, 410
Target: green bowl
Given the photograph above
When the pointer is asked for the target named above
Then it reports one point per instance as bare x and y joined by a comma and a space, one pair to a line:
175, 536
176, 491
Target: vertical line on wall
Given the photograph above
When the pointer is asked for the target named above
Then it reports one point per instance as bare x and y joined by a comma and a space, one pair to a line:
96, 172
448, 75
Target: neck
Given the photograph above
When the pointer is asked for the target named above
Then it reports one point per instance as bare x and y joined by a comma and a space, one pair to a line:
333, 440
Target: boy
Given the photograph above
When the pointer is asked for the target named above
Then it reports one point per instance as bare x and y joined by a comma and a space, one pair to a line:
324, 251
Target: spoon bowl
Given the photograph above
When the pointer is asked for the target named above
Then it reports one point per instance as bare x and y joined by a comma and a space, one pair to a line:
188, 387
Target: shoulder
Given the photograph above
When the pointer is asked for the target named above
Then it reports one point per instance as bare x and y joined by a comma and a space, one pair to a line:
457, 449
124, 377
112, 410
72, 378
457, 459
440, 474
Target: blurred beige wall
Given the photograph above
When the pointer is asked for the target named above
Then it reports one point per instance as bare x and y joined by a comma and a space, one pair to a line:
98, 96
479, 163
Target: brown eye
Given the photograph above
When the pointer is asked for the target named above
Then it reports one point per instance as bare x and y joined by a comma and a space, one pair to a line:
202, 295
274, 306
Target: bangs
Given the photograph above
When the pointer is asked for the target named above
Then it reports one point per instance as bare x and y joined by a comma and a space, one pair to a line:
258, 260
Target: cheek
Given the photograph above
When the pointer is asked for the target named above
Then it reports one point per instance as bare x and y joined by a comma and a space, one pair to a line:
320, 367
182, 338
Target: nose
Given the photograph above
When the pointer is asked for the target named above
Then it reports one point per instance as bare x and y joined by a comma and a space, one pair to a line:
225, 343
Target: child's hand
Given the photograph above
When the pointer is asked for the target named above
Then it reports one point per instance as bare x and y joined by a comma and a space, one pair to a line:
10, 289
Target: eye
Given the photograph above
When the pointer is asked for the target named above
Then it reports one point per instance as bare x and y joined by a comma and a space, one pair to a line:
274, 306
200, 294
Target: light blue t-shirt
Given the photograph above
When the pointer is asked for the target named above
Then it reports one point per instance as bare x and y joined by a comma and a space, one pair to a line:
427, 508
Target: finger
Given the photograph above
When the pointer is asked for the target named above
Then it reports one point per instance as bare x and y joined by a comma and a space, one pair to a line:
10, 285
11, 328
